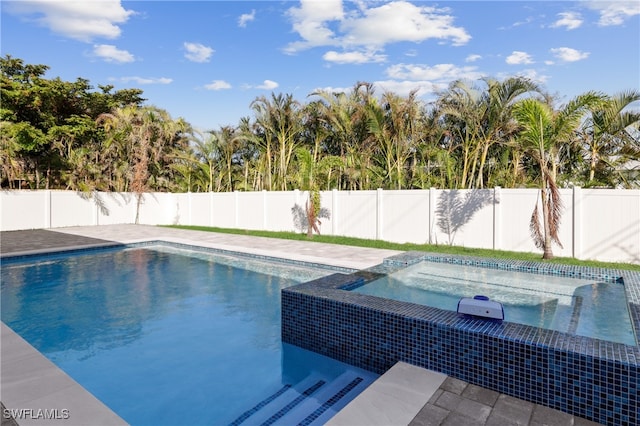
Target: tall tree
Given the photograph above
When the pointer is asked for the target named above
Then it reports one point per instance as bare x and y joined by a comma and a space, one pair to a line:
145, 136
346, 118
279, 123
609, 139
394, 127
543, 131
479, 116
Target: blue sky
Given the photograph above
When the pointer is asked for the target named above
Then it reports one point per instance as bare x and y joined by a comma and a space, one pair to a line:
206, 61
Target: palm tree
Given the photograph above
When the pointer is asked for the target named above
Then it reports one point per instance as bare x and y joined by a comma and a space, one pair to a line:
543, 131
279, 123
308, 183
189, 168
145, 135
206, 152
479, 116
394, 126
346, 118
228, 141
607, 142
461, 111
499, 125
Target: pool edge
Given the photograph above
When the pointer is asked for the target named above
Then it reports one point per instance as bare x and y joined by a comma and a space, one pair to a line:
36, 391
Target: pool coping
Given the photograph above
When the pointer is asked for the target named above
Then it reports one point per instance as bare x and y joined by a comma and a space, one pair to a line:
41, 392
395, 398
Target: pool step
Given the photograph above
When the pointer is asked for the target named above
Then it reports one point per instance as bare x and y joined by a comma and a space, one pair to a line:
324, 404
310, 402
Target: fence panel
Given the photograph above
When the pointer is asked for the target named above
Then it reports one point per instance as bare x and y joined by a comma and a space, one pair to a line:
278, 209
602, 224
224, 209
24, 210
610, 227
199, 208
115, 207
356, 214
156, 208
463, 218
83, 208
250, 210
405, 216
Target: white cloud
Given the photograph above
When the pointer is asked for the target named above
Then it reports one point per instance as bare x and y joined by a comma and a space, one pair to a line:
532, 75
352, 57
439, 72
197, 52
615, 13
402, 21
567, 54
143, 80
79, 20
404, 88
528, 20
217, 85
330, 89
268, 85
570, 20
246, 17
325, 23
110, 53
472, 58
518, 57
310, 22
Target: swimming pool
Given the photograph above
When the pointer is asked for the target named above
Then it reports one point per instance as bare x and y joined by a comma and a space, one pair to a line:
164, 335
585, 307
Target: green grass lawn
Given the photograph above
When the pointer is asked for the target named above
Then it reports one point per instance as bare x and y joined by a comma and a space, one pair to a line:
433, 248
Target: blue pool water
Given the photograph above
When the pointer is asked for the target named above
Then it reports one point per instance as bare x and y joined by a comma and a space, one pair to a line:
168, 336
576, 306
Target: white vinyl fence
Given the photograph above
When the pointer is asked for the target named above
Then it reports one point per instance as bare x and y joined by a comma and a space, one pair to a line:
601, 224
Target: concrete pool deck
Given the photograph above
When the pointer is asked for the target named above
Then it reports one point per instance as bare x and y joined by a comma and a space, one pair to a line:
404, 395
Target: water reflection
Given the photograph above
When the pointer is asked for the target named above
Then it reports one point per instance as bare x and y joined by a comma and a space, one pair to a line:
100, 301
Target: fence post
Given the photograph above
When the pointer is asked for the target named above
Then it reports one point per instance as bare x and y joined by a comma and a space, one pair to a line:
334, 211
379, 218
236, 210
95, 209
576, 200
432, 212
264, 210
189, 206
47, 208
211, 218
497, 218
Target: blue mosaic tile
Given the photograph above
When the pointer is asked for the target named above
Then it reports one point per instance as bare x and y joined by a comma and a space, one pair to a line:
590, 378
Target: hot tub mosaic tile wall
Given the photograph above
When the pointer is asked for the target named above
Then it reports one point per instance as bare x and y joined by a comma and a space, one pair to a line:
590, 378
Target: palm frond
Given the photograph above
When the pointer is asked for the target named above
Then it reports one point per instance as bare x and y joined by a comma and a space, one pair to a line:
555, 212
534, 228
